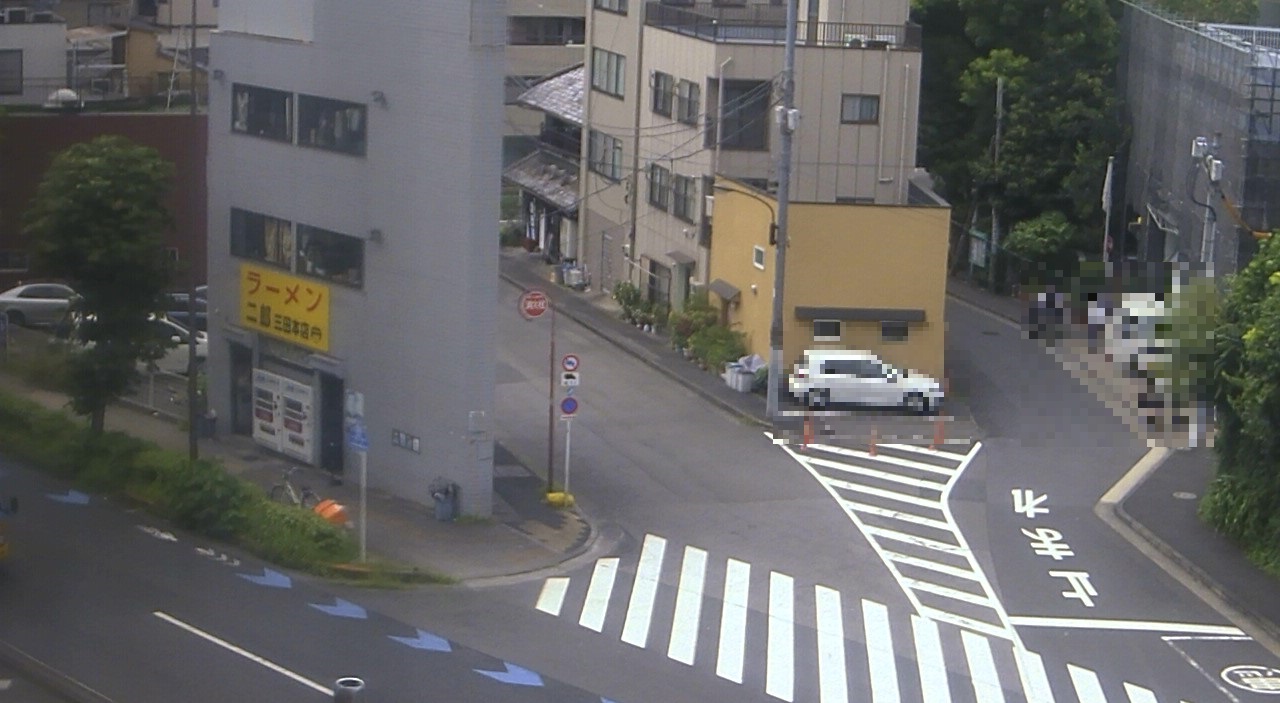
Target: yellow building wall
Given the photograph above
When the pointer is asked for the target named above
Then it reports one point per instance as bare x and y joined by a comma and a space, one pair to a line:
840, 256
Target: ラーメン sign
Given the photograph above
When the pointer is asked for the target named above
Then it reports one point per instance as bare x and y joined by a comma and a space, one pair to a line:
283, 306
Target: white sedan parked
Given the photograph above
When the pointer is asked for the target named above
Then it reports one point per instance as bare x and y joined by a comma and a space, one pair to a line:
826, 377
36, 303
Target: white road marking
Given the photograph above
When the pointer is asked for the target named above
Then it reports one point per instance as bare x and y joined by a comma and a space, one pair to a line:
883, 458
881, 475
896, 515
780, 674
947, 592
1088, 689
551, 599
833, 682
872, 490
925, 542
1138, 694
5, 684
244, 653
933, 669
597, 603
643, 591
961, 621
880, 661
982, 668
684, 623
918, 449
1035, 683
931, 565
733, 621
1141, 625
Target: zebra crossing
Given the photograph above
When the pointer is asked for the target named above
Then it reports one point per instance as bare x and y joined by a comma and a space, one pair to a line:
795, 641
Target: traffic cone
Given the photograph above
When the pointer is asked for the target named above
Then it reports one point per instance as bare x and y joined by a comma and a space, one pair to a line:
938, 436
808, 430
875, 437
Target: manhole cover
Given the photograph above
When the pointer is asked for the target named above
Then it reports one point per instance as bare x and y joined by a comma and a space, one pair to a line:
1184, 495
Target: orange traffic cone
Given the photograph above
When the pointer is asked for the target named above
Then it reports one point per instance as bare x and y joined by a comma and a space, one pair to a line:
875, 438
808, 430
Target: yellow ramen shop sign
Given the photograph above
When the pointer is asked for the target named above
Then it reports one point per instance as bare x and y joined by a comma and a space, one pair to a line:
290, 308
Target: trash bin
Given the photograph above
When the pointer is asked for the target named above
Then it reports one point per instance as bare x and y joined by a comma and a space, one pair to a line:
445, 495
348, 689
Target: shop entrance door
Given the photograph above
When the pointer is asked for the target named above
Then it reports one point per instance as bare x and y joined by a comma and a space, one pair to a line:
332, 398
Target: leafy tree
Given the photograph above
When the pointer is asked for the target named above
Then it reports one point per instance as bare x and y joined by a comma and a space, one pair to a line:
96, 221
1227, 11
1044, 240
1188, 332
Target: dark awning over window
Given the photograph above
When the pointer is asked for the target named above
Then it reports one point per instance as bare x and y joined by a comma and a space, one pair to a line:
860, 314
726, 290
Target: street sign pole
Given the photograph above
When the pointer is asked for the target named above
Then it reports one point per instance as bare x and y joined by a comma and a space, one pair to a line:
364, 504
551, 400
568, 438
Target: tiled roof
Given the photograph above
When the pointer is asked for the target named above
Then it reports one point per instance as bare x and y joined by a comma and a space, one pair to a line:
559, 95
549, 176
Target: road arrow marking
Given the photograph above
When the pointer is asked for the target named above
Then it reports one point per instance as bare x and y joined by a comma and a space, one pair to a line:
158, 533
274, 579
342, 608
70, 498
425, 640
513, 675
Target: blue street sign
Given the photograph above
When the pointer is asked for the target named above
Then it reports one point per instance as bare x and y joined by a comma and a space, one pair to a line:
569, 406
358, 438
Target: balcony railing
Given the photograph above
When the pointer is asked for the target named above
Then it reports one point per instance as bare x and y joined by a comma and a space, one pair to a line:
766, 24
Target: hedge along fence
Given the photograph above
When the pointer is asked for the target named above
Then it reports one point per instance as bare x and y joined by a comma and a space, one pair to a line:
198, 496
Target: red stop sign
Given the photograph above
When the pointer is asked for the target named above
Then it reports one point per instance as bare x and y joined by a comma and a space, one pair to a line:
533, 303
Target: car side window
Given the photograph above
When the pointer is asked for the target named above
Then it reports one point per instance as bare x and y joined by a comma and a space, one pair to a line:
864, 368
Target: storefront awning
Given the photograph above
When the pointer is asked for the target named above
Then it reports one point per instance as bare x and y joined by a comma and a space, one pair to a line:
725, 290
548, 176
681, 259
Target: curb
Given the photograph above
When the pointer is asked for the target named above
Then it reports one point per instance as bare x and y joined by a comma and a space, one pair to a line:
49, 678
644, 358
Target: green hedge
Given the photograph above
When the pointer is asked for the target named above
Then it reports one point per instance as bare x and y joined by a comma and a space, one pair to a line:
199, 496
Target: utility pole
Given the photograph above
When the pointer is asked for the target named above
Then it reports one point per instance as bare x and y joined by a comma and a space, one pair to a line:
788, 120
995, 210
193, 388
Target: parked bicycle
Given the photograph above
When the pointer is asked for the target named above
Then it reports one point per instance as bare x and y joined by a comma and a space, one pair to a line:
285, 491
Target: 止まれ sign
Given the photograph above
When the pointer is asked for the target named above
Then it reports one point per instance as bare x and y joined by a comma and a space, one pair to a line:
290, 308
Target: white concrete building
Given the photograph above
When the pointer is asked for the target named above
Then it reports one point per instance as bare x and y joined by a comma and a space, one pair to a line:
354, 163
33, 55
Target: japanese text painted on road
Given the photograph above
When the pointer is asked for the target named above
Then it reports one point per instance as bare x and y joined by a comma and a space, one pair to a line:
290, 308
1048, 542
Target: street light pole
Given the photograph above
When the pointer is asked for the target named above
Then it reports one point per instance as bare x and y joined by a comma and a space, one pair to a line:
193, 388
788, 118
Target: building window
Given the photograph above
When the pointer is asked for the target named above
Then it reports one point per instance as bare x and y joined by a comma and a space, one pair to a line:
746, 108
859, 109
688, 102
262, 112
826, 330
332, 124
664, 88
546, 31
686, 200
331, 256
14, 260
11, 72
608, 72
659, 187
757, 257
893, 331
262, 238
604, 155
619, 6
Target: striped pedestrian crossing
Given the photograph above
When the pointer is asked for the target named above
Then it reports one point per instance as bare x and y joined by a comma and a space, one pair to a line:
745, 626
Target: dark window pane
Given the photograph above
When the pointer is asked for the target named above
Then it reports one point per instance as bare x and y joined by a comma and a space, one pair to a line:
329, 255
262, 112
331, 124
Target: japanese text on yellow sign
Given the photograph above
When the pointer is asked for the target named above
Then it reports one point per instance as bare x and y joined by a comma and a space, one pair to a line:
293, 309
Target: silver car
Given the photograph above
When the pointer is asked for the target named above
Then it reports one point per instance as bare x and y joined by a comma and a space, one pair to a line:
36, 303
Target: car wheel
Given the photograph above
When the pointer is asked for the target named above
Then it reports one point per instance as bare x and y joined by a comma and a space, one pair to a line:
16, 317
820, 398
917, 403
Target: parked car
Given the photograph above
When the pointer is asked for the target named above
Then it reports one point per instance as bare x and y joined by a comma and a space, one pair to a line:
176, 309
179, 336
1131, 335
826, 377
36, 303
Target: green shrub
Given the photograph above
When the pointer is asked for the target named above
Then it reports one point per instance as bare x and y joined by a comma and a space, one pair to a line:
292, 537
697, 315
717, 345
628, 297
107, 461
510, 235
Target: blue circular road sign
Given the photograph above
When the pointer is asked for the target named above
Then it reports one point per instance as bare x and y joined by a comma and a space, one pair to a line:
569, 406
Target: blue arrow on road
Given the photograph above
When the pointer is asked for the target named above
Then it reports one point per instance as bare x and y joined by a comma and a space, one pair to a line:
513, 675
71, 497
342, 609
274, 579
425, 640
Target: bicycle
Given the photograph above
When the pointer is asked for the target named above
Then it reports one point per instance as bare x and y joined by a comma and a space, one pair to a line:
284, 491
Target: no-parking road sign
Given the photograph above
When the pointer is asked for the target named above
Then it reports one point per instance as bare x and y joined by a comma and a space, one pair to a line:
568, 407
570, 362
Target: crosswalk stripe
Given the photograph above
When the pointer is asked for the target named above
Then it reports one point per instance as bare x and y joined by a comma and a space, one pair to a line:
644, 590
733, 621
896, 515
931, 565
833, 682
780, 675
551, 600
882, 458
933, 670
982, 668
960, 621
882, 493
1138, 694
925, 542
954, 456
1035, 683
684, 625
880, 661
597, 603
946, 592
881, 475
1088, 688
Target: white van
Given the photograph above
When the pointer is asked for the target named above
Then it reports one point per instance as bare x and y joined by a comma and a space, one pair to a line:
1132, 336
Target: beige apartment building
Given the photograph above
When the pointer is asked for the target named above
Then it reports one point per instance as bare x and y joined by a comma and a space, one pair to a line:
544, 37
679, 91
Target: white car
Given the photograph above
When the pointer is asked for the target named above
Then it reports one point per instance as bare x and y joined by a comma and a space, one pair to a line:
832, 377
1131, 336
36, 303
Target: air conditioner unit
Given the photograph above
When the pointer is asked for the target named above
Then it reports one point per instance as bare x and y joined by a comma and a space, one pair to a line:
708, 205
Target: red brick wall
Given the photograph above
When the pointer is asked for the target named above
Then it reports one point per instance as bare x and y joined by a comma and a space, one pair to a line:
28, 144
